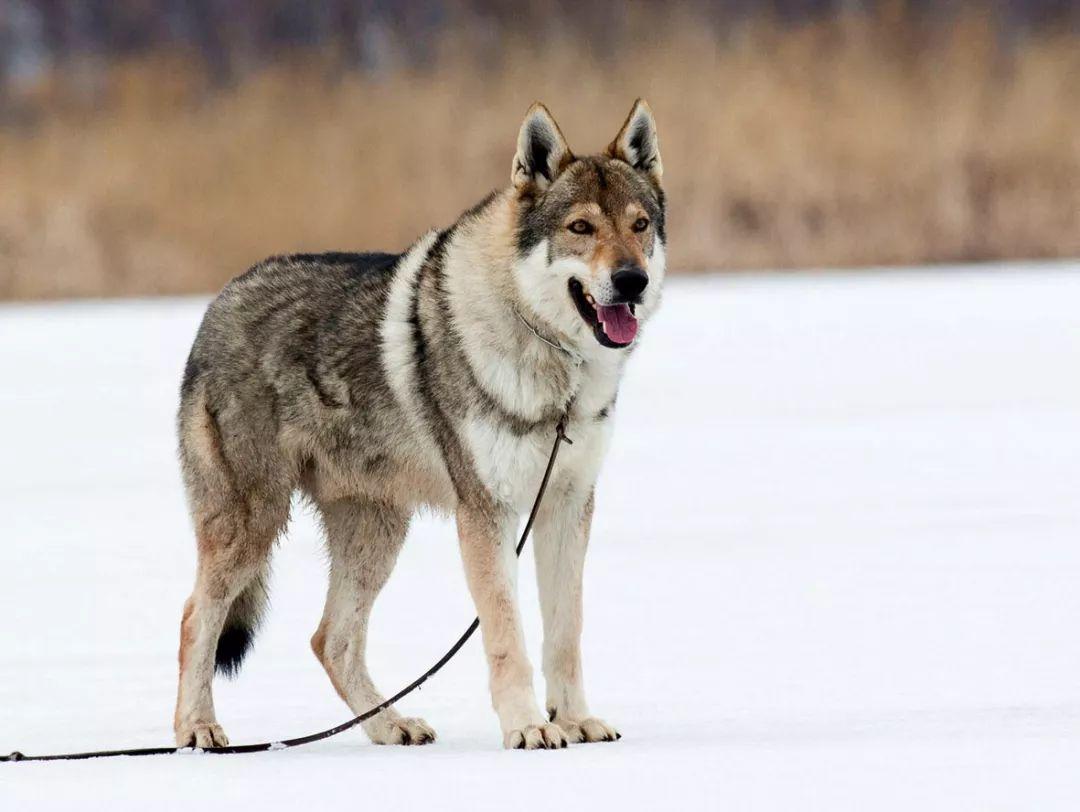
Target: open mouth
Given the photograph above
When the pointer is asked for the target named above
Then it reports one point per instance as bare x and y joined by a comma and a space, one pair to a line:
613, 325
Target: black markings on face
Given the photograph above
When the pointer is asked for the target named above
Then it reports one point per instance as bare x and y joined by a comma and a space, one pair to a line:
601, 179
610, 184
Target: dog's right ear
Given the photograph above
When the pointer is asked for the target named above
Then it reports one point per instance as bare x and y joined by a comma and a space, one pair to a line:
542, 152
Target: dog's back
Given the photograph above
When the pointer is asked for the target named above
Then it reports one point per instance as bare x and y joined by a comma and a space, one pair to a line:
278, 301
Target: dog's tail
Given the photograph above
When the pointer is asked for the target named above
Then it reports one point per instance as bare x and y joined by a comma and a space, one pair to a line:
238, 633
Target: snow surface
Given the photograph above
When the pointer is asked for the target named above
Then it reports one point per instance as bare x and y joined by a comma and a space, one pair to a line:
835, 565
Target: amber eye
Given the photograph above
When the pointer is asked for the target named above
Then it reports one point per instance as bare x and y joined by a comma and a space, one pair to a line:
640, 224
581, 227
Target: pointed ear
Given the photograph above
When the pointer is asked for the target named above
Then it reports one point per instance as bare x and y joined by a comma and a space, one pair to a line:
542, 152
637, 143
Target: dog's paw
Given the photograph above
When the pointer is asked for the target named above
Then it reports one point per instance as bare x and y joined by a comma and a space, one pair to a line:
588, 730
402, 730
201, 734
544, 736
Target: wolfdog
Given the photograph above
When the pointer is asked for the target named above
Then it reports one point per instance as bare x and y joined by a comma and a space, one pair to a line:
379, 384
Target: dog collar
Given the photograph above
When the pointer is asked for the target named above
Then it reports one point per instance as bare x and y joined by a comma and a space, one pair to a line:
553, 344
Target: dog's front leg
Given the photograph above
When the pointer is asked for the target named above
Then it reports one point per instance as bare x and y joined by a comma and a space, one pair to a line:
562, 534
486, 535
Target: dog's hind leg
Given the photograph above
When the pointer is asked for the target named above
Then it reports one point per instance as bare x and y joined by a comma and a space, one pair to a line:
364, 539
218, 622
239, 497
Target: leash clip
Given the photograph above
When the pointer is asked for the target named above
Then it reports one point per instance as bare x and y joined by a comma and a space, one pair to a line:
560, 431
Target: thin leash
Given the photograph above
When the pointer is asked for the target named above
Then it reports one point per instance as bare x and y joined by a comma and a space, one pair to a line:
285, 744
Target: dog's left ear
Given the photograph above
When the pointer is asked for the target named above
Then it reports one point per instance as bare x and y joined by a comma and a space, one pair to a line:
637, 143
542, 152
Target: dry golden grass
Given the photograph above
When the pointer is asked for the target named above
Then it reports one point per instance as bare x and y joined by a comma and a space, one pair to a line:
830, 145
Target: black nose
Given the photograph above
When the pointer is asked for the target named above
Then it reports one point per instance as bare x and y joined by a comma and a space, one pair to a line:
630, 281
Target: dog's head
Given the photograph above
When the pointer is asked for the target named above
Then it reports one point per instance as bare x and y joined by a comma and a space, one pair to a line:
590, 233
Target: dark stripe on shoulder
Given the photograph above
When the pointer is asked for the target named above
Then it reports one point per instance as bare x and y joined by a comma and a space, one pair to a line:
434, 258
517, 424
456, 461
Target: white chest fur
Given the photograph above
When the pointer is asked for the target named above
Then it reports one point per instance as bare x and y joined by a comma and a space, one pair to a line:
511, 466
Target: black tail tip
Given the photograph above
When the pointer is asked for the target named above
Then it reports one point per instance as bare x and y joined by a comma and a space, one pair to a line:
232, 647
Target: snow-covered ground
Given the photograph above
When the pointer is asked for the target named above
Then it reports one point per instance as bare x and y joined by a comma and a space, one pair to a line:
836, 565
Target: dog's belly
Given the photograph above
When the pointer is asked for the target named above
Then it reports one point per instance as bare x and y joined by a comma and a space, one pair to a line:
406, 473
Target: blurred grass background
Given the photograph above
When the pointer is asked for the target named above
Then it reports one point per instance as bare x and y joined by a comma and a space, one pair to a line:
158, 148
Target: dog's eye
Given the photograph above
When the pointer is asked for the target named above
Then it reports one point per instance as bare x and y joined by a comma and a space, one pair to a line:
581, 227
640, 224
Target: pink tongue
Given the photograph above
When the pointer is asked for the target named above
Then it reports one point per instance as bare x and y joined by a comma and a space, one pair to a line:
618, 322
